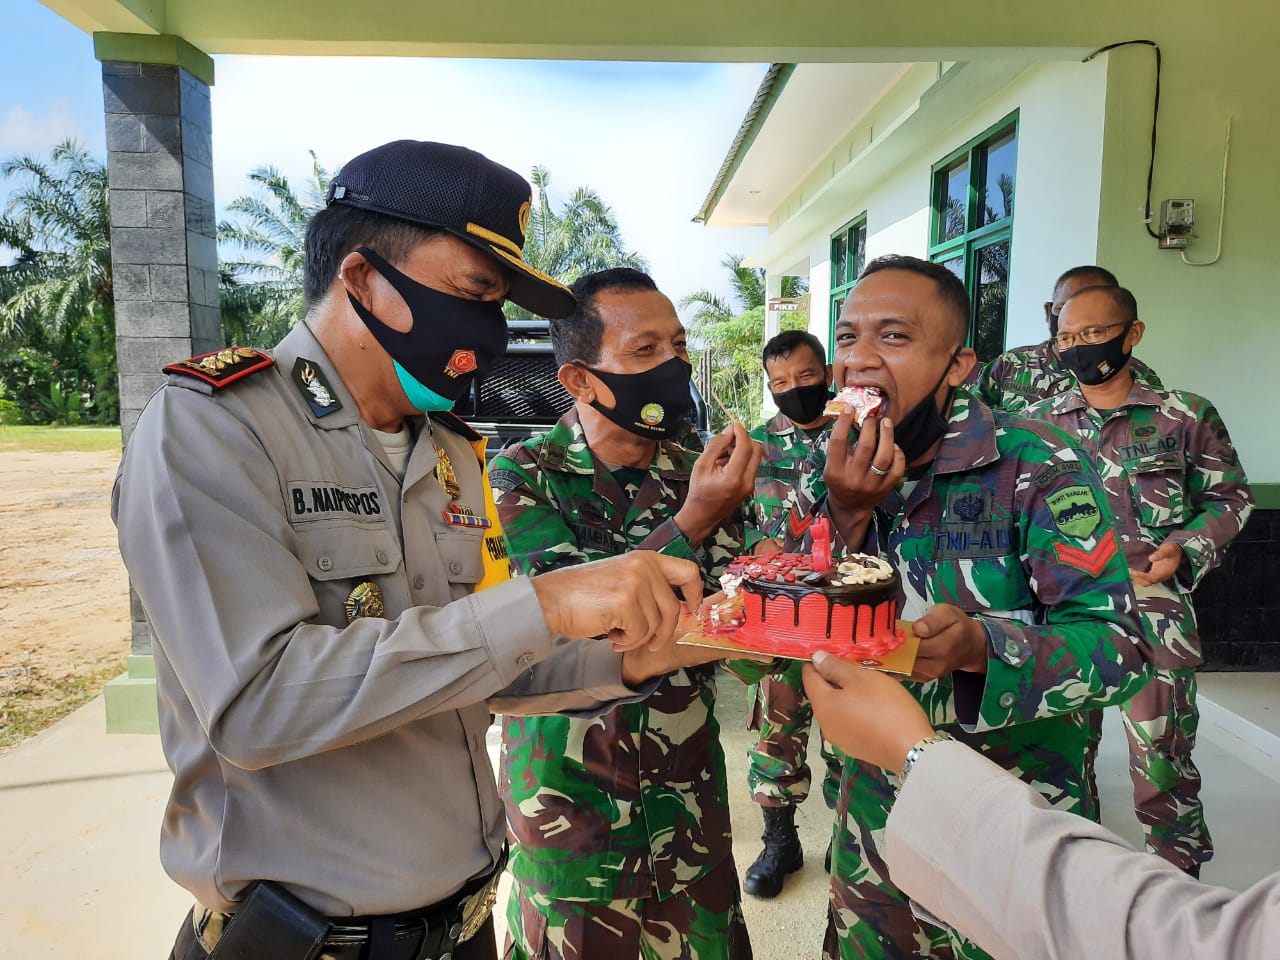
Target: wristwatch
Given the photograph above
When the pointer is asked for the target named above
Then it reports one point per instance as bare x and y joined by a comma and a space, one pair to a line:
916, 752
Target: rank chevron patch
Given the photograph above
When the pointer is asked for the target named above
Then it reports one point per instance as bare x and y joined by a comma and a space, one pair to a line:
798, 524
1092, 561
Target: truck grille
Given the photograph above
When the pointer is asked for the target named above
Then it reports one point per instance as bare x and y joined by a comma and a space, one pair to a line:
521, 388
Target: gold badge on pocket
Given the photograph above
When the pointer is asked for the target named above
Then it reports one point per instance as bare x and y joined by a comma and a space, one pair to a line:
364, 601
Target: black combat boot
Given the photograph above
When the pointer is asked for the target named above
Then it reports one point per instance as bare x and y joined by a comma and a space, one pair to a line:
782, 853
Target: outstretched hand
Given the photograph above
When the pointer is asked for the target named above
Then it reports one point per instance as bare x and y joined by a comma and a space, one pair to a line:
631, 598
867, 714
1163, 564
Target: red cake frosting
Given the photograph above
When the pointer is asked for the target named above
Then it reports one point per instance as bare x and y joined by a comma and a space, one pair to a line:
788, 604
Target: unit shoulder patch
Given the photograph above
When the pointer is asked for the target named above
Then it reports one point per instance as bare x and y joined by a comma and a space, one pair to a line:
1075, 511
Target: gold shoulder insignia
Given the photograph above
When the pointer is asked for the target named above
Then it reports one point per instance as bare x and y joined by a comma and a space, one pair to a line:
222, 367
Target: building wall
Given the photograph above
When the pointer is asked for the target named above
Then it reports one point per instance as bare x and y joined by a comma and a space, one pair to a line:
1060, 126
1084, 140
1212, 329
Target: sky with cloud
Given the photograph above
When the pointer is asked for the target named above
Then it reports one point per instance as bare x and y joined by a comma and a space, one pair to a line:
648, 137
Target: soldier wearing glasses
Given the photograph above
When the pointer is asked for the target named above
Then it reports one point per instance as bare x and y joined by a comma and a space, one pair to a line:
1180, 496
1025, 375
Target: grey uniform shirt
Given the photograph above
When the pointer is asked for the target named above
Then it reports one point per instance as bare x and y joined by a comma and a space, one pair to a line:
346, 761
985, 853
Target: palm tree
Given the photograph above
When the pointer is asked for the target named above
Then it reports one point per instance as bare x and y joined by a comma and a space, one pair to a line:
59, 223
735, 338
582, 237
261, 292
57, 314
748, 285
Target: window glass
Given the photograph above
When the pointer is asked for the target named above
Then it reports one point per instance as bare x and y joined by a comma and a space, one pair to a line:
859, 254
997, 178
951, 219
840, 260
991, 300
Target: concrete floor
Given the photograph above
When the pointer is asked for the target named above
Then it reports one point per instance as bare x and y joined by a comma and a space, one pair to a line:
81, 813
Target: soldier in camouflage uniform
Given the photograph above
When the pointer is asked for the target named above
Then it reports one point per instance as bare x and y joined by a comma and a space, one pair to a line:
1010, 571
1180, 496
788, 485
621, 822
1024, 375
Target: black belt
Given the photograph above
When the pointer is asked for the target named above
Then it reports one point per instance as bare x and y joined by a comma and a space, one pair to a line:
431, 933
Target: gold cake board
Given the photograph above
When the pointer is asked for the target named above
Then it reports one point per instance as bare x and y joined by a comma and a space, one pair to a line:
900, 661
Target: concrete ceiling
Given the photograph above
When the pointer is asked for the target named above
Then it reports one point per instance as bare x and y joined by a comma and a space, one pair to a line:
712, 30
818, 105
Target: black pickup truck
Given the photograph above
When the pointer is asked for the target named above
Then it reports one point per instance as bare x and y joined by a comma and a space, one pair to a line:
520, 395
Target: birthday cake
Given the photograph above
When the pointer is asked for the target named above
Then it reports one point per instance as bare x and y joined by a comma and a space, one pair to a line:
792, 604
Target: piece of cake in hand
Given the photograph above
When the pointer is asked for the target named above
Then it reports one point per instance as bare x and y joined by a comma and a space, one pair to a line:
791, 609
863, 401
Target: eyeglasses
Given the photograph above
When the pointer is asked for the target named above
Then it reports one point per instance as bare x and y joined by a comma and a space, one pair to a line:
1065, 341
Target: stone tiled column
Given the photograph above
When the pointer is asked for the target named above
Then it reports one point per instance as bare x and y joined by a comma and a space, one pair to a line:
164, 256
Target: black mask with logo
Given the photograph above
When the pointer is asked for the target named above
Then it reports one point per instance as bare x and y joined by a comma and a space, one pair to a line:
651, 404
452, 339
922, 426
1096, 363
803, 404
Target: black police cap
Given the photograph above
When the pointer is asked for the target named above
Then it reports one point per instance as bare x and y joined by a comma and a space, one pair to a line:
463, 192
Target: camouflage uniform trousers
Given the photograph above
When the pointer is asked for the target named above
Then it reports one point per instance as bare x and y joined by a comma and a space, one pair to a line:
777, 772
703, 921
1161, 721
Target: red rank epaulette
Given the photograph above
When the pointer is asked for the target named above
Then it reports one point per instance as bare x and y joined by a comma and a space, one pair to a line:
222, 367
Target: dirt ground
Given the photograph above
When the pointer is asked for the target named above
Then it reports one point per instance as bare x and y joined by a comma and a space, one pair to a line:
64, 595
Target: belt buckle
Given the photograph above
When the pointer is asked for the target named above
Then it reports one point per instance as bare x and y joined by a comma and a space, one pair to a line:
208, 926
477, 907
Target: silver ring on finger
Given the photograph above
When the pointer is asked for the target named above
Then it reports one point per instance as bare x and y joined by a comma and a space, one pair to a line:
877, 471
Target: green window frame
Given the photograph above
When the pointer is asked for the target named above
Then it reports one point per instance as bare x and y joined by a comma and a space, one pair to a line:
971, 227
848, 257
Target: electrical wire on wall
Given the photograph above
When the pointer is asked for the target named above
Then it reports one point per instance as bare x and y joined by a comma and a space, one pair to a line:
1155, 116
1222, 209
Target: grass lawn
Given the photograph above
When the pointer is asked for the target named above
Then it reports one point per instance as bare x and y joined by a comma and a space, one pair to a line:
59, 439
27, 708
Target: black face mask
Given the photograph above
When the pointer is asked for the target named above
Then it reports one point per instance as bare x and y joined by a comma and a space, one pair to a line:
803, 404
651, 404
451, 341
921, 427
1096, 363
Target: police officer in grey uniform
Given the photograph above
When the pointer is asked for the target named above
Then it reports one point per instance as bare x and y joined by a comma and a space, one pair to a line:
314, 542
